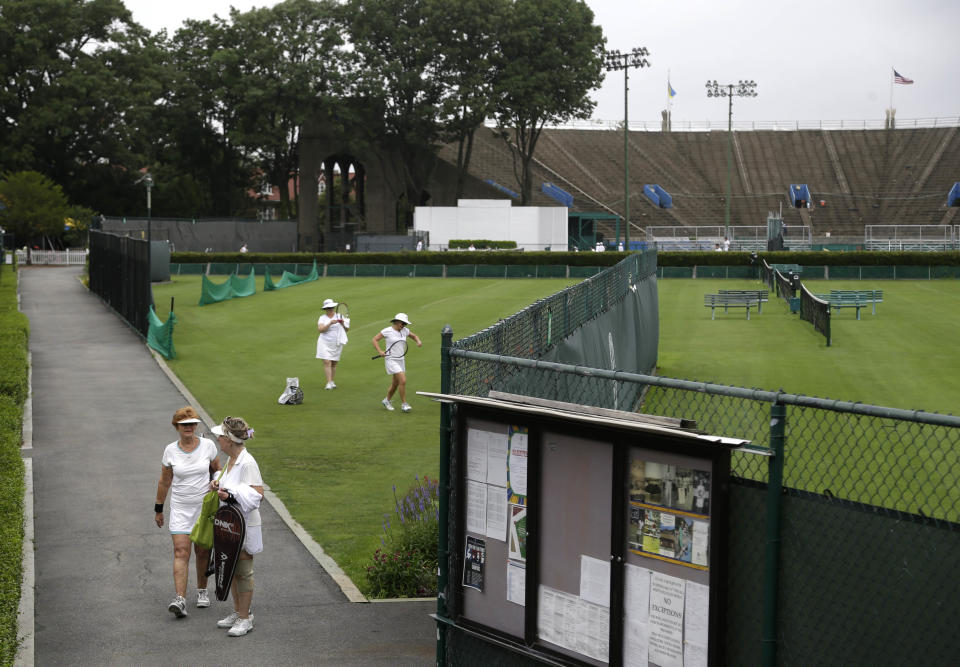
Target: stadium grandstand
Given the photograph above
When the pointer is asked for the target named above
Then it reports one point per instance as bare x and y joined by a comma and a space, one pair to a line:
854, 178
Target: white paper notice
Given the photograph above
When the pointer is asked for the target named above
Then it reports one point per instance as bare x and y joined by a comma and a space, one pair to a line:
635, 642
636, 598
516, 583
696, 625
497, 513
477, 454
476, 507
593, 631
497, 460
595, 580
547, 615
701, 543
518, 464
666, 620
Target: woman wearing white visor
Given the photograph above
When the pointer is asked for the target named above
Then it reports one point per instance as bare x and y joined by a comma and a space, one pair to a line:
395, 339
187, 465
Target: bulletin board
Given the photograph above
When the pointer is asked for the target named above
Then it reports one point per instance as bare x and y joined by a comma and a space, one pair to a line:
592, 541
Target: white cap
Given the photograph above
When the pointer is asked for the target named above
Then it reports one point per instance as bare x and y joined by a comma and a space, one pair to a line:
402, 317
189, 420
329, 303
217, 430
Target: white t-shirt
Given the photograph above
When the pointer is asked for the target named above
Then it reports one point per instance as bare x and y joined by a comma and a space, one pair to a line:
191, 471
329, 343
391, 336
244, 471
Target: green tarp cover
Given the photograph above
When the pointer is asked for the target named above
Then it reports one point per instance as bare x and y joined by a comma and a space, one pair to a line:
160, 334
288, 279
235, 286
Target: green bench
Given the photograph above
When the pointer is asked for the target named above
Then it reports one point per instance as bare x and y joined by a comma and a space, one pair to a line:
726, 301
840, 298
761, 295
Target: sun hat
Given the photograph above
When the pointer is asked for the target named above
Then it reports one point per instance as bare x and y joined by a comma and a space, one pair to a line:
402, 317
189, 420
234, 428
329, 303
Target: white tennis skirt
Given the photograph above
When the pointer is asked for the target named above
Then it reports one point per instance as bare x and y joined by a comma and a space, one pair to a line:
183, 516
328, 351
395, 365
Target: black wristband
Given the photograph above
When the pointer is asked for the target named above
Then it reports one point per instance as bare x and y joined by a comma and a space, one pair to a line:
158, 508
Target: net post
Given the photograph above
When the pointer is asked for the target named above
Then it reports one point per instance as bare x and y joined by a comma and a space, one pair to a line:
443, 495
771, 564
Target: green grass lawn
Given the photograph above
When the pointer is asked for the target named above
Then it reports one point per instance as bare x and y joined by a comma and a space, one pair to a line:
334, 459
904, 356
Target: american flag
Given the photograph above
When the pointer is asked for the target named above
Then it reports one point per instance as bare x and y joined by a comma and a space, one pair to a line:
899, 78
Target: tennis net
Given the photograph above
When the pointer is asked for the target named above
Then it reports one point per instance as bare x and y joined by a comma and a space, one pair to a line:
768, 276
815, 311
785, 288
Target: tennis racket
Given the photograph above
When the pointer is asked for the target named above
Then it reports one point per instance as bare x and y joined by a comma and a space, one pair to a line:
396, 350
343, 316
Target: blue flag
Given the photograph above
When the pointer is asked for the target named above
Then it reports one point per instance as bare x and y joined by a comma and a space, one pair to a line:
670, 91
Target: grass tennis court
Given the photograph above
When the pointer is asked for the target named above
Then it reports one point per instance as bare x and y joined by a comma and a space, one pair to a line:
903, 357
334, 459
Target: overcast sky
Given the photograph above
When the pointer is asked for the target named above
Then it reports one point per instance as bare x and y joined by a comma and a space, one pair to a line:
814, 60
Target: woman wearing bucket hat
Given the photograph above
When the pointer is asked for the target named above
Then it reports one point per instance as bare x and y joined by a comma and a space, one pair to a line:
242, 485
394, 337
186, 467
332, 337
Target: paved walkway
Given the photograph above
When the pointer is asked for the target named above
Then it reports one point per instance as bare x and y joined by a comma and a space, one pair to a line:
101, 411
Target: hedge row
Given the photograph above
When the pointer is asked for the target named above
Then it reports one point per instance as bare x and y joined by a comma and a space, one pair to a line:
14, 331
481, 244
810, 258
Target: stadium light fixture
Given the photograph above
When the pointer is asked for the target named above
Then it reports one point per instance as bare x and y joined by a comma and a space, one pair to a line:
612, 61
730, 90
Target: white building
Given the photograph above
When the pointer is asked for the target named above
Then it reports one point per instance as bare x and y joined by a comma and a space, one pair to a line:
532, 227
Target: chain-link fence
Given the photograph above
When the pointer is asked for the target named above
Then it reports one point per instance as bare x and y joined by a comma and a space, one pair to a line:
868, 527
843, 542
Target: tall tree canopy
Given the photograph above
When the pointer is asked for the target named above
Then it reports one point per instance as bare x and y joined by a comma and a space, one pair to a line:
550, 57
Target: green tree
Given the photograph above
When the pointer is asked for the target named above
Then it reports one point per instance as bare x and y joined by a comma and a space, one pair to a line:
36, 207
468, 40
550, 57
399, 62
77, 82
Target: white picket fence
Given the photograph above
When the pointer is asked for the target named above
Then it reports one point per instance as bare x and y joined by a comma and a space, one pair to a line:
60, 257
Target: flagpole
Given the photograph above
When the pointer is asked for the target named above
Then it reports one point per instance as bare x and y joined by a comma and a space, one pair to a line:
891, 88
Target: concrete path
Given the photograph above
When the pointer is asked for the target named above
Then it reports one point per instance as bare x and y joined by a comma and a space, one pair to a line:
101, 411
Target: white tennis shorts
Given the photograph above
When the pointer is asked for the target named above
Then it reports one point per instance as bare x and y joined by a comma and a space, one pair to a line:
183, 516
395, 365
327, 350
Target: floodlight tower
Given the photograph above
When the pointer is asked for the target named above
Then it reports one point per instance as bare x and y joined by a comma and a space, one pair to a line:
730, 90
614, 60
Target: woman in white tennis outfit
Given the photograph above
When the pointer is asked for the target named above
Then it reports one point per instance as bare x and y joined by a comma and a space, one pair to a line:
187, 466
397, 332
333, 336
242, 485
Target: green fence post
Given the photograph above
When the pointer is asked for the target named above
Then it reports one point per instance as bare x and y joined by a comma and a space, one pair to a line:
443, 496
771, 565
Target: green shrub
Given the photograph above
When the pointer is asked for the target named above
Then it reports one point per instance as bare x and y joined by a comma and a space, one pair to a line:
14, 329
405, 565
481, 244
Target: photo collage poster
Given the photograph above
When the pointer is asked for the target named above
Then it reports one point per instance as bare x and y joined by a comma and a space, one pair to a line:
668, 517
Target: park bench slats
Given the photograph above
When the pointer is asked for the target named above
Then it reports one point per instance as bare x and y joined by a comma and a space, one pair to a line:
727, 299
853, 299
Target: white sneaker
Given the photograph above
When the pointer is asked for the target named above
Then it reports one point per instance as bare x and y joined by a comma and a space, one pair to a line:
228, 621
330, 385
178, 607
405, 407
387, 404
241, 627
202, 599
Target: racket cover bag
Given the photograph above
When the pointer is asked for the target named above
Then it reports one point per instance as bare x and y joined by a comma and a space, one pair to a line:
229, 531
